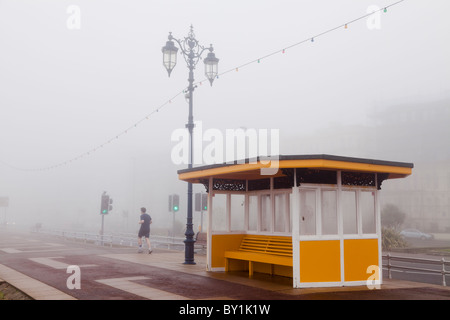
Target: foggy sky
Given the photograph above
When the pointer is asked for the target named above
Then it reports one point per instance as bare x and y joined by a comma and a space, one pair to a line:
64, 92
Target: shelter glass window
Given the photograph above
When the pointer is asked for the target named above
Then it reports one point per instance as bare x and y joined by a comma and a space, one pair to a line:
219, 218
266, 213
329, 212
349, 212
281, 212
307, 212
367, 203
253, 213
237, 211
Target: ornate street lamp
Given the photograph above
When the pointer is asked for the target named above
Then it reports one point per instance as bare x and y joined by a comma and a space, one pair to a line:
169, 54
192, 52
211, 65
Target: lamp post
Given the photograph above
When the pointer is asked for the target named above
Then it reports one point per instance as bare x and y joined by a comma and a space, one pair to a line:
192, 52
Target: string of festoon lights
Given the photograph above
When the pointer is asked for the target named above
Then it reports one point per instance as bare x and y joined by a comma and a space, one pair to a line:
306, 40
169, 101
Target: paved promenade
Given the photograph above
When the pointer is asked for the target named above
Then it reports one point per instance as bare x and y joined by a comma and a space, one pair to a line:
38, 265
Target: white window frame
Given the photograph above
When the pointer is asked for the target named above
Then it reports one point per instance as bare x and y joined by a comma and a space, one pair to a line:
271, 193
319, 188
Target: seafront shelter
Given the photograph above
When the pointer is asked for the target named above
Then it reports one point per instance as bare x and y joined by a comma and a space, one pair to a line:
314, 218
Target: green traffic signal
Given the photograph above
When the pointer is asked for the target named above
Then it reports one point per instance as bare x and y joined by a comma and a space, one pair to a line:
175, 202
205, 201
105, 205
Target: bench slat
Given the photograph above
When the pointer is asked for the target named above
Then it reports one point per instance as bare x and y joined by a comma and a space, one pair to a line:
258, 257
259, 244
252, 250
265, 249
280, 248
267, 244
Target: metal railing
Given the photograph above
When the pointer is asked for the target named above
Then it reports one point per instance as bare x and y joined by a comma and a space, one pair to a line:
432, 262
119, 239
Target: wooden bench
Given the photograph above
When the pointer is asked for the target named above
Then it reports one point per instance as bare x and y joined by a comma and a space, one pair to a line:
201, 240
274, 250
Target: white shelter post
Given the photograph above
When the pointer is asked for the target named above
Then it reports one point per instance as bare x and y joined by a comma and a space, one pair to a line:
209, 226
295, 212
378, 229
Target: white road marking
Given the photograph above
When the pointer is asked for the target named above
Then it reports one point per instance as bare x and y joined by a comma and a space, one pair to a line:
50, 262
34, 288
32, 245
13, 250
127, 284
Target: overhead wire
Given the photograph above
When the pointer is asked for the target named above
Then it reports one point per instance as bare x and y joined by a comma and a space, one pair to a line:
309, 39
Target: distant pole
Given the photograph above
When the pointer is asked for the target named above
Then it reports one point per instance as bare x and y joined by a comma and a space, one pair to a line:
4, 202
102, 230
105, 207
173, 225
201, 211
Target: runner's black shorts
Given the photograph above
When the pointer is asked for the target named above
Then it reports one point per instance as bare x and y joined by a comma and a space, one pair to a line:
144, 233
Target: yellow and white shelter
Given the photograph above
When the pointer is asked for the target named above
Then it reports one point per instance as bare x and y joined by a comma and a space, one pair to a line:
315, 219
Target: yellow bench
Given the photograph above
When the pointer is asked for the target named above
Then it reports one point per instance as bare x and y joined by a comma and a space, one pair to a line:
274, 250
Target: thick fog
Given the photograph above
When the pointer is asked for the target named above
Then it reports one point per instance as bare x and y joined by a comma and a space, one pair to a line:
77, 77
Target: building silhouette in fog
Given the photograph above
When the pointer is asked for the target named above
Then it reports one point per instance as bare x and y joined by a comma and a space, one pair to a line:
417, 132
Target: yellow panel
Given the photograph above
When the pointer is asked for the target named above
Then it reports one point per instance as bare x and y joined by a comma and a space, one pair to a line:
359, 254
221, 243
320, 261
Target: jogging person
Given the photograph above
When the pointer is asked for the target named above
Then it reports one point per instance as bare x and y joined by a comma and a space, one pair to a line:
144, 231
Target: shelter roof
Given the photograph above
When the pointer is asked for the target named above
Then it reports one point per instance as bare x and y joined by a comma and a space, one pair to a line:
250, 169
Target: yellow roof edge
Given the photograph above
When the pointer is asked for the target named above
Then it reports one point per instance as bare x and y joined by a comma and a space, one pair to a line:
379, 167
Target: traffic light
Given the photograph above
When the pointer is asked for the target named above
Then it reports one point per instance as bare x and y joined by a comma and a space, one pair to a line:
110, 207
175, 203
198, 202
201, 202
106, 202
204, 201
